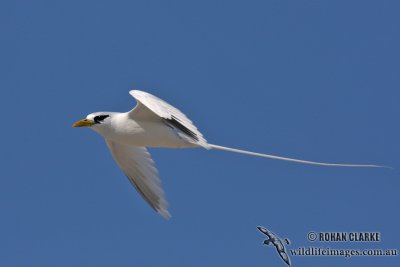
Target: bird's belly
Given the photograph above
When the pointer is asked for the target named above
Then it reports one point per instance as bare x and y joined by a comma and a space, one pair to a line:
151, 134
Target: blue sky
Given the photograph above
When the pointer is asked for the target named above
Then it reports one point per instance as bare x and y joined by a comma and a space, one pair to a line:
317, 80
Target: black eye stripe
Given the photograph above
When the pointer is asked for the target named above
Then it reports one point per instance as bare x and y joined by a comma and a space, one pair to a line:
100, 118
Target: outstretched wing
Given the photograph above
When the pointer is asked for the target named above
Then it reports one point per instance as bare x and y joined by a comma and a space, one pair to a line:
266, 232
149, 106
284, 257
138, 166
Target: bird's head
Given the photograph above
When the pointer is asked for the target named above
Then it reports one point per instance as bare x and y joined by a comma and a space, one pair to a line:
98, 121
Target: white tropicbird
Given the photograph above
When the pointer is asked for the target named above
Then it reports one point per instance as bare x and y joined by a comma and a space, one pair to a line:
155, 123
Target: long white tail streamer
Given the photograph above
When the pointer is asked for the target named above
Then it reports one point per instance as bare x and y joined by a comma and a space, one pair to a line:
293, 160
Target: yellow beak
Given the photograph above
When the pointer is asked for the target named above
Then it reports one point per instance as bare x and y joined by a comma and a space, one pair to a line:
83, 123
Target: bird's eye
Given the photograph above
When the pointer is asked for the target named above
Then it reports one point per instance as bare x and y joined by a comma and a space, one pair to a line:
100, 118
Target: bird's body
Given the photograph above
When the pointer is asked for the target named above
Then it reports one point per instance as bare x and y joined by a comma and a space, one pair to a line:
155, 123
142, 132
276, 241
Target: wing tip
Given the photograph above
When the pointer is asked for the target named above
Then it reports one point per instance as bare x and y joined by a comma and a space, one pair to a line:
135, 92
165, 214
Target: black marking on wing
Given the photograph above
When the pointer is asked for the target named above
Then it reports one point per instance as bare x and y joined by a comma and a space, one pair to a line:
174, 122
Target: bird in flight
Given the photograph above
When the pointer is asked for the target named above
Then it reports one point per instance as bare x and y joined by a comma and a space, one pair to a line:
276, 241
155, 123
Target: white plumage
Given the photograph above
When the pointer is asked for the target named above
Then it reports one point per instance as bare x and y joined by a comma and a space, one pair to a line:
155, 123
138, 166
